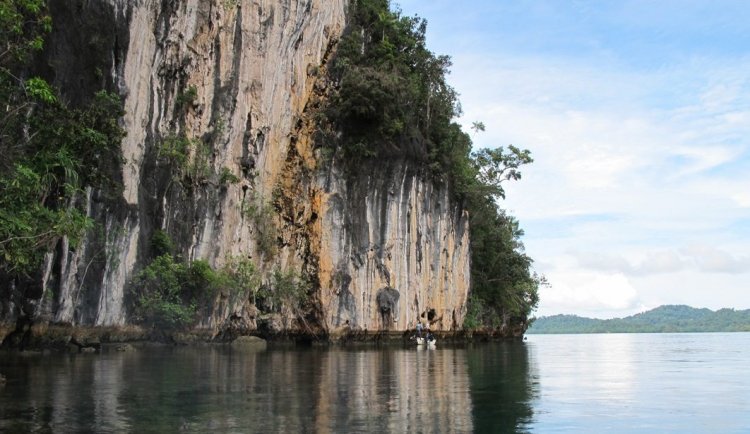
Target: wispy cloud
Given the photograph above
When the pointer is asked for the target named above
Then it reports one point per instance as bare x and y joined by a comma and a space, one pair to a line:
713, 260
699, 257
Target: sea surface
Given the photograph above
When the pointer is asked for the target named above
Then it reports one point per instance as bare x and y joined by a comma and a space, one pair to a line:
613, 383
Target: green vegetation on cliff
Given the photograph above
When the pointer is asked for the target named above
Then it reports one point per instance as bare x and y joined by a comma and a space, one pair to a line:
51, 152
663, 319
172, 293
169, 293
391, 101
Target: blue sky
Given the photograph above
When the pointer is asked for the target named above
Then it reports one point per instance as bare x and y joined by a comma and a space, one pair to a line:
638, 116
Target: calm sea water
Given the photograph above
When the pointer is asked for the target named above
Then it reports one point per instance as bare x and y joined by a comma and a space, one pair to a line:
656, 383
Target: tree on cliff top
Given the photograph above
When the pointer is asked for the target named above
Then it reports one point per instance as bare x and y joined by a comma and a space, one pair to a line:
390, 99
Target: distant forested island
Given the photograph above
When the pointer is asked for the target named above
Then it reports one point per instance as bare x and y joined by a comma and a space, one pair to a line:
663, 319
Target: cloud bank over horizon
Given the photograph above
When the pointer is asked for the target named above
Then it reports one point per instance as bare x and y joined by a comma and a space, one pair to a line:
638, 118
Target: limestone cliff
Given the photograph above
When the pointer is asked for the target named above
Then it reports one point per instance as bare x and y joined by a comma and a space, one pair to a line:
236, 82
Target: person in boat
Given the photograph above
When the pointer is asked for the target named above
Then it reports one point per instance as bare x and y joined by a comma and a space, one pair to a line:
430, 337
419, 329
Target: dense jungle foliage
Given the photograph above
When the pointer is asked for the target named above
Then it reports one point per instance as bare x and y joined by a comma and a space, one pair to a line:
51, 152
391, 101
170, 293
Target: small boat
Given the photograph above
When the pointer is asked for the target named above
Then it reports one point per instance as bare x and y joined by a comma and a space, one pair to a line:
422, 341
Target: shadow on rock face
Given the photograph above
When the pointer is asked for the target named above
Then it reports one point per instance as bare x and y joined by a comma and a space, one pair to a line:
387, 300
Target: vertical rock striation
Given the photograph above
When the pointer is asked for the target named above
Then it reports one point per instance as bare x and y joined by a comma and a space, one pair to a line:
395, 249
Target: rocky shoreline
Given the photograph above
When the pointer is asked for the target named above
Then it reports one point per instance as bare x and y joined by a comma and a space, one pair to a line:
42, 337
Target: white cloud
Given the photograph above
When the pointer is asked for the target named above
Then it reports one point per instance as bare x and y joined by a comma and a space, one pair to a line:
588, 293
664, 261
710, 259
742, 198
699, 257
735, 190
704, 158
737, 118
608, 285
603, 262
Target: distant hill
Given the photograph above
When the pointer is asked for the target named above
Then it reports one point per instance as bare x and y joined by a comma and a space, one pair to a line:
663, 319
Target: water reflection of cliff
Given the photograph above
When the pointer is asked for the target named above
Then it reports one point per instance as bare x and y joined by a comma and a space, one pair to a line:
315, 390
394, 391
501, 387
